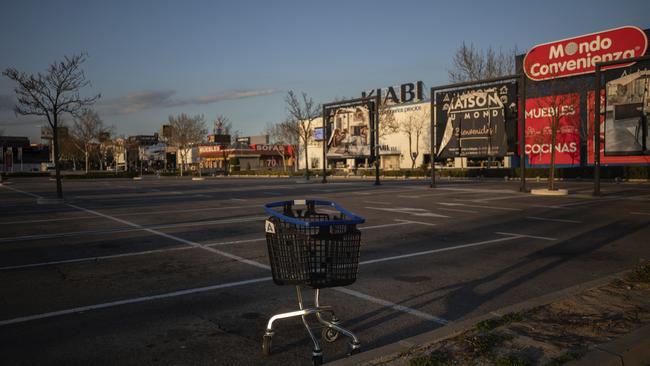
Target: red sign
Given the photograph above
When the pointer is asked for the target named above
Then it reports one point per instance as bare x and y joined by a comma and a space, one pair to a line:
540, 114
579, 55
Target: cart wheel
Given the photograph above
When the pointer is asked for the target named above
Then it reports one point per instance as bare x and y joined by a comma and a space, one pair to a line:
330, 335
266, 345
317, 360
354, 348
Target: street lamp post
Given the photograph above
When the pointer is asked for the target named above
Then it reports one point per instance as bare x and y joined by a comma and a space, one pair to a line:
376, 123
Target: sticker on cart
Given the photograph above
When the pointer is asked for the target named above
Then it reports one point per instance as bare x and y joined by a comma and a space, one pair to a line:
269, 227
299, 202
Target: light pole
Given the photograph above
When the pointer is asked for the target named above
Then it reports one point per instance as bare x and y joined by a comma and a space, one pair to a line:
375, 107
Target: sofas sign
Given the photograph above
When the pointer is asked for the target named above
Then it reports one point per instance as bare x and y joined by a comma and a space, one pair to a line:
579, 55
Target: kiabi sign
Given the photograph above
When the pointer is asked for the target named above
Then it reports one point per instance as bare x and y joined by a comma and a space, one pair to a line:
405, 93
579, 55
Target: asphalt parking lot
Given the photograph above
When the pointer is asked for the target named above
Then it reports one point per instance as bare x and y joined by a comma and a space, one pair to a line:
172, 271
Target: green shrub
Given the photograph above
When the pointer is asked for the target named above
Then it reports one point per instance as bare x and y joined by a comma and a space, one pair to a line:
641, 273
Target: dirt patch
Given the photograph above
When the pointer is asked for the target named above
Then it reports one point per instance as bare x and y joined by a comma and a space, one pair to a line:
552, 334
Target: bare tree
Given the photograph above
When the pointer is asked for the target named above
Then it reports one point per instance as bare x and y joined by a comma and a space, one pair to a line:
386, 118
87, 130
229, 153
68, 146
186, 131
303, 112
222, 125
471, 64
281, 135
51, 94
413, 127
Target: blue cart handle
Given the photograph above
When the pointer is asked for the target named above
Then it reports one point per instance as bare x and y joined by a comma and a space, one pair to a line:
351, 220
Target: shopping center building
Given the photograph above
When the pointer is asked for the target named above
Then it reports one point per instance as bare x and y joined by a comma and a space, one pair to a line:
478, 125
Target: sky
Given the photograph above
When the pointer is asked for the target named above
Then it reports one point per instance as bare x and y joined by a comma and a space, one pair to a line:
153, 59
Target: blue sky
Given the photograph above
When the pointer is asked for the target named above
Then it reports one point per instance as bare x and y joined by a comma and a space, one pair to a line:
150, 59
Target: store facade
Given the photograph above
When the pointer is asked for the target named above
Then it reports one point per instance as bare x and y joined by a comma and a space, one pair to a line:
560, 87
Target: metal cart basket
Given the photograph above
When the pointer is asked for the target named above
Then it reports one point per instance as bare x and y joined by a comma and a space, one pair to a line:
312, 249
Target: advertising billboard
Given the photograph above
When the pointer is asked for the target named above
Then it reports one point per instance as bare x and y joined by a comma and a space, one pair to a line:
627, 108
318, 134
542, 115
579, 55
350, 133
633, 157
476, 122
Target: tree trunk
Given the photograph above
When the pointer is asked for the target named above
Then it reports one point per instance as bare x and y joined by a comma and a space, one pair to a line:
306, 161
551, 177
86, 157
411, 151
57, 156
182, 162
296, 159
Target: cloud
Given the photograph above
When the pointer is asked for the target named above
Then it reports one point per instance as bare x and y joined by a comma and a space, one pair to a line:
139, 101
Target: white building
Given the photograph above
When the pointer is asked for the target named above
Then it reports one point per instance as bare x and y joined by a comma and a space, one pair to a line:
397, 122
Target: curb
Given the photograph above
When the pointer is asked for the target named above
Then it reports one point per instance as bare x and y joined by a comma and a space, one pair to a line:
630, 349
391, 351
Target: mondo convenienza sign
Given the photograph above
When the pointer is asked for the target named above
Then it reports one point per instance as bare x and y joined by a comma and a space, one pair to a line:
579, 55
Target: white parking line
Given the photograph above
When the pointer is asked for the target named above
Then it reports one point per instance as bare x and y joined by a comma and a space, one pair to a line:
551, 206
416, 222
409, 211
553, 220
482, 206
131, 301
382, 225
131, 214
175, 238
480, 190
21, 191
526, 236
456, 210
47, 220
88, 259
483, 200
129, 254
426, 252
590, 200
129, 229
640, 213
392, 305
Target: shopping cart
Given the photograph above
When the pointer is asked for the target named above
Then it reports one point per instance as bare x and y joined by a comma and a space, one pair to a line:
316, 250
